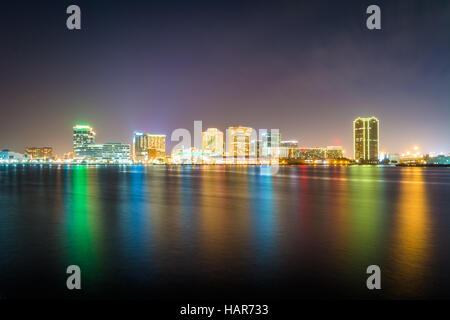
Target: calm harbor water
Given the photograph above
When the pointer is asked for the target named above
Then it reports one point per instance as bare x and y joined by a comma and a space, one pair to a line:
224, 232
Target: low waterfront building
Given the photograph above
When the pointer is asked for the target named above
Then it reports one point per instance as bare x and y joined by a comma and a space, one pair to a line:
116, 151
288, 149
9, 156
93, 152
44, 153
315, 153
394, 158
412, 159
438, 160
68, 156
188, 156
334, 152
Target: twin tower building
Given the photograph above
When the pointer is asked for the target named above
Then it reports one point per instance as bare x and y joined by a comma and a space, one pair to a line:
366, 140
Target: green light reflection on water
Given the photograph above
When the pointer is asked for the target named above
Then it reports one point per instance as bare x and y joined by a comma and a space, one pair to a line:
367, 215
81, 233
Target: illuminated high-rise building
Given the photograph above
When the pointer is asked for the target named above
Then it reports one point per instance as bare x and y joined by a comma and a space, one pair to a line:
256, 147
366, 143
83, 137
212, 142
39, 152
270, 144
148, 143
238, 141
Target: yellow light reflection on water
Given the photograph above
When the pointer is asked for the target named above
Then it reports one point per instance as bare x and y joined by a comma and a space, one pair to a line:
214, 220
367, 207
411, 247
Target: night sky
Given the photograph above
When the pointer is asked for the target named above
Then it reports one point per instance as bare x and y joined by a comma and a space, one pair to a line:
306, 67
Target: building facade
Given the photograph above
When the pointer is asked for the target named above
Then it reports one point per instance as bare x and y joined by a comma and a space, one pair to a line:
394, 158
238, 142
39, 152
116, 151
288, 149
366, 143
93, 152
148, 143
9, 156
187, 156
83, 138
334, 152
438, 160
315, 153
270, 144
212, 142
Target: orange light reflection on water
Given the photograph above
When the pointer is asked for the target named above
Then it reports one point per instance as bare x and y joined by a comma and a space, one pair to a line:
411, 249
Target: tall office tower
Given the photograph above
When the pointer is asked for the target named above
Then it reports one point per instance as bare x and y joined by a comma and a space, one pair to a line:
366, 141
148, 143
238, 141
39, 152
83, 137
270, 144
212, 142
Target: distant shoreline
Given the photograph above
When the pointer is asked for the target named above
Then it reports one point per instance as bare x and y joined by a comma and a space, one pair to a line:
423, 165
227, 164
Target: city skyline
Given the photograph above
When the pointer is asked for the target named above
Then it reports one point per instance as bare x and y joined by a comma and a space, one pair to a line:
306, 70
357, 152
245, 145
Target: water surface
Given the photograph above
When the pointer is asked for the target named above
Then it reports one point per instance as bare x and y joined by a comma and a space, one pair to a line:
170, 232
